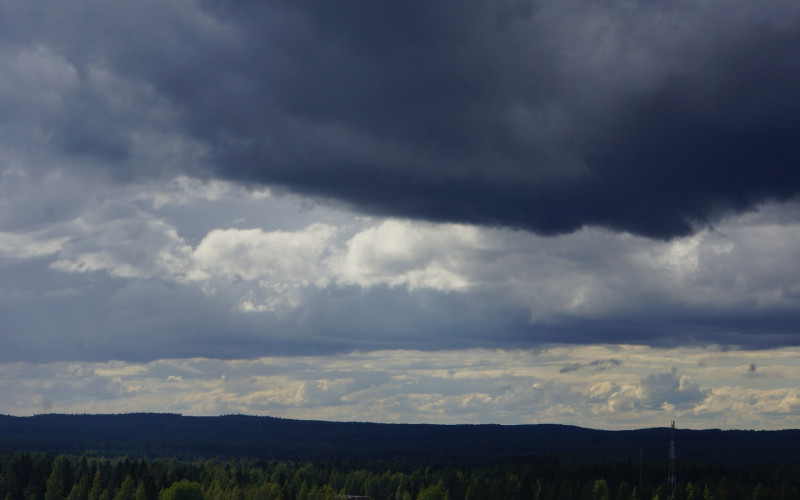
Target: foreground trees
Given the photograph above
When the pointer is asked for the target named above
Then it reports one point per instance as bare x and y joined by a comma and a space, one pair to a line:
48, 477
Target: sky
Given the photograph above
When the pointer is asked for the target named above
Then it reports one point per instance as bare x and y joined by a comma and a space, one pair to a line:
511, 212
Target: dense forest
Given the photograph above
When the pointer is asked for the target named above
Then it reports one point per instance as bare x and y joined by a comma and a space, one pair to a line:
26, 475
170, 457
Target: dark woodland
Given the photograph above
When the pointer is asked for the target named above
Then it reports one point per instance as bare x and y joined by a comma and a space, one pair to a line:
166, 457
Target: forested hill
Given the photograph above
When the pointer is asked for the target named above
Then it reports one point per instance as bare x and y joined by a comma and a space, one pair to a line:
236, 436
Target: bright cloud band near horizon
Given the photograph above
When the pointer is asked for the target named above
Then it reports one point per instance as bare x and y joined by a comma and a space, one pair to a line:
609, 387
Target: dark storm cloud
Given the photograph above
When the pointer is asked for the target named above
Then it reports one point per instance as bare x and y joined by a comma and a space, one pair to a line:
648, 117
669, 327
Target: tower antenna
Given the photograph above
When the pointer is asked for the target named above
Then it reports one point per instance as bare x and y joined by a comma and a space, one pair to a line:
671, 480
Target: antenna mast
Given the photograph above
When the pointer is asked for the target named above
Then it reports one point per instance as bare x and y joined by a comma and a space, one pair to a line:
671, 480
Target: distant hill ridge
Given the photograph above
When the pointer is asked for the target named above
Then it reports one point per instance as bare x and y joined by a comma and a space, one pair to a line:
238, 436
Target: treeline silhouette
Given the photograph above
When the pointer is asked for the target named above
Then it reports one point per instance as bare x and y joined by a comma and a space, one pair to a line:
237, 436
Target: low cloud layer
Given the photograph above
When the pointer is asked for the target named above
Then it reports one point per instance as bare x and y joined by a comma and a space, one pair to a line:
655, 118
473, 386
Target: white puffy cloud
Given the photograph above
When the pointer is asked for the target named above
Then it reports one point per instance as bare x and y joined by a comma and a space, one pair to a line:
126, 244
414, 255
29, 245
256, 255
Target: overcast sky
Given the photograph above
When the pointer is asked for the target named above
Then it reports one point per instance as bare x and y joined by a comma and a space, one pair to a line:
517, 211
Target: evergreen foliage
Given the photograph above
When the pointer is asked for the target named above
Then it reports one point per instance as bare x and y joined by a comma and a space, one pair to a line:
36, 476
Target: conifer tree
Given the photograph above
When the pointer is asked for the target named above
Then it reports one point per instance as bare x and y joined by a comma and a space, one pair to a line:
141, 492
182, 490
55, 484
97, 486
78, 491
600, 490
433, 492
126, 491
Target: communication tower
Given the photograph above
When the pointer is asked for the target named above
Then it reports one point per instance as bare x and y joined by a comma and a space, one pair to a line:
671, 480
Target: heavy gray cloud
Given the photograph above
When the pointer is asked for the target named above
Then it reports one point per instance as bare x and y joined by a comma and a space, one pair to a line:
649, 117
